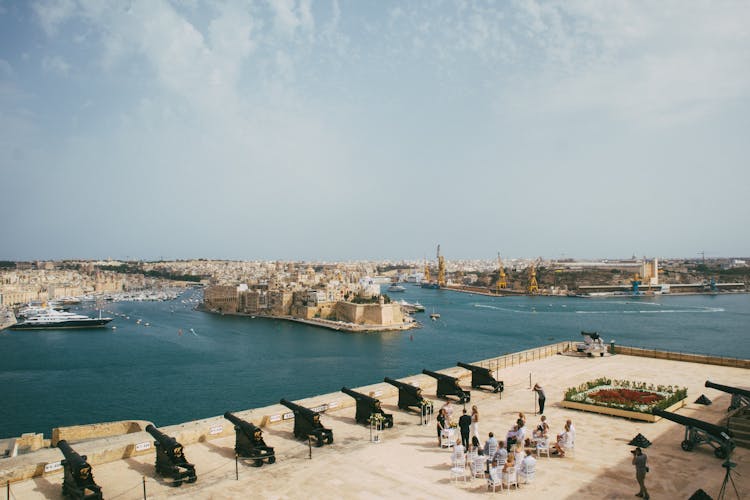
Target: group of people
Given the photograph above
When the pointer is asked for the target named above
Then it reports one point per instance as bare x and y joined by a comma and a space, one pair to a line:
468, 424
515, 452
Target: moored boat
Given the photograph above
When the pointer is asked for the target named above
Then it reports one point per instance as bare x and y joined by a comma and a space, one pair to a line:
48, 318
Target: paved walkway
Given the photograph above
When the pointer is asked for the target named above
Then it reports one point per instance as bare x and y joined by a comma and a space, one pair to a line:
409, 464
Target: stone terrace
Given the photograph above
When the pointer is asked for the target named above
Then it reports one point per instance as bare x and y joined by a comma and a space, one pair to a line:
409, 463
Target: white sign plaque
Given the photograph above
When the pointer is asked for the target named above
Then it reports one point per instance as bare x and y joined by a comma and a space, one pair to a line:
146, 445
52, 467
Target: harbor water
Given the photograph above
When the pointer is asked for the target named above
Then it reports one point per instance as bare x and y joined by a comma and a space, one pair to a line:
188, 364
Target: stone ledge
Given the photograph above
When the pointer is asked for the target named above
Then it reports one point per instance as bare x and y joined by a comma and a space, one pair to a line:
616, 412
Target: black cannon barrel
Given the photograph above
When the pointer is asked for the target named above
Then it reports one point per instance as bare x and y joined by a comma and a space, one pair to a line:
473, 368
401, 385
439, 376
358, 395
712, 429
163, 439
246, 426
297, 408
729, 389
70, 454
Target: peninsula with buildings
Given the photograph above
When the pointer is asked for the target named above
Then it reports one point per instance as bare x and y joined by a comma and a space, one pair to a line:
358, 296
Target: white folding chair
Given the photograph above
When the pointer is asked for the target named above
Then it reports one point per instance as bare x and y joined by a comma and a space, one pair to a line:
494, 480
477, 466
446, 438
542, 446
458, 469
510, 478
526, 474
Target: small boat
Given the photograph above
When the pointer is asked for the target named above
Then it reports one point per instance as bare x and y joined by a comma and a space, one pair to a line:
395, 287
434, 316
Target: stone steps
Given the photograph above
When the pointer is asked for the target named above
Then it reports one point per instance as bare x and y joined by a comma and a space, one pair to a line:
739, 424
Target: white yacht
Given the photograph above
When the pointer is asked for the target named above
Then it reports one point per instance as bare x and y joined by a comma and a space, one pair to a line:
39, 318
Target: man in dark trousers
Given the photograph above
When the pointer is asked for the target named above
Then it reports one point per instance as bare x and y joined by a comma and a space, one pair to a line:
542, 399
641, 468
464, 423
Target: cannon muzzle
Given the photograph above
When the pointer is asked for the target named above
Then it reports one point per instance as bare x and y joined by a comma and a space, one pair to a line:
729, 389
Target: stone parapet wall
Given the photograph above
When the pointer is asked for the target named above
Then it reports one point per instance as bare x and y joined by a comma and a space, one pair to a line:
705, 359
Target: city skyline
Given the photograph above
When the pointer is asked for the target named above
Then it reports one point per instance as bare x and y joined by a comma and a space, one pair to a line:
311, 131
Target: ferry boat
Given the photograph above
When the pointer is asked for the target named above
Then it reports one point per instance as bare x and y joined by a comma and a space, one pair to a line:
409, 307
48, 318
395, 287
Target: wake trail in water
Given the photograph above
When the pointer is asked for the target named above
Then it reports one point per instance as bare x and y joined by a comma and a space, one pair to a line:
663, 311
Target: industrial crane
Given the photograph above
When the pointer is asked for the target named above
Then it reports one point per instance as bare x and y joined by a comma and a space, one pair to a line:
441, 268
501, 281
533, 287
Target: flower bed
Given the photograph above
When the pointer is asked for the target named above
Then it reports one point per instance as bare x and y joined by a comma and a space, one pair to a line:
624, 398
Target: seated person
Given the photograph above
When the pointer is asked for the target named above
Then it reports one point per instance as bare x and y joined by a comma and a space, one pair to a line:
494, 472
490, 447
475, 446
527, 464
522, 418
501, 455
509, 464
521, 434
518, 453
458, 452
563, 441
542, 429
510, 438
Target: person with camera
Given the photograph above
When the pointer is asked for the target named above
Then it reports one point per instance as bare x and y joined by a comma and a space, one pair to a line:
641, 468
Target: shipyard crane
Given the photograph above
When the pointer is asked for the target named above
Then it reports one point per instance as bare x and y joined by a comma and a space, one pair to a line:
502, 283
427, 276
533, 288
441, 268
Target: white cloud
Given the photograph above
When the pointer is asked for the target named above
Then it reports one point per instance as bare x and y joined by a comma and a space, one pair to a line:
53, 13
55, 64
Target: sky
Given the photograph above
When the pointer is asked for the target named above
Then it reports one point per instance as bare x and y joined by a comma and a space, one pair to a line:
344, 130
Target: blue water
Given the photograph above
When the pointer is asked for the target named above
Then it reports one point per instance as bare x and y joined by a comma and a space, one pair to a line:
66, 377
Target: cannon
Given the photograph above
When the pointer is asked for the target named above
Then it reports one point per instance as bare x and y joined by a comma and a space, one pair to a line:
249, 443
170, 459
482, 376
448, 386
307, 423
592, 344
740, 397
78, 482
367, 407
699, 432
411, 396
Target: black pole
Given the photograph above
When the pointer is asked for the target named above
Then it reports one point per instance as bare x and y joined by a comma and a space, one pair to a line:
236, 468
144, 487
309, 445
7, 487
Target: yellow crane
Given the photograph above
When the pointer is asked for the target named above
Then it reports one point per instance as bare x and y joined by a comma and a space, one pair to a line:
533, 287
501, 281
426, 278
441, 268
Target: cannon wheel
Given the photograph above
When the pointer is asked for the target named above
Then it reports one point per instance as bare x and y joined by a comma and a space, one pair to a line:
720, 452
687, 445
257, 462
176, 483
271, 460
329, 439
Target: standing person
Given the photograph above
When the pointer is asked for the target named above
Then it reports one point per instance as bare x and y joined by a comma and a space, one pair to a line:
464, 423
440, 424
639, 460
542, 398
475, 421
